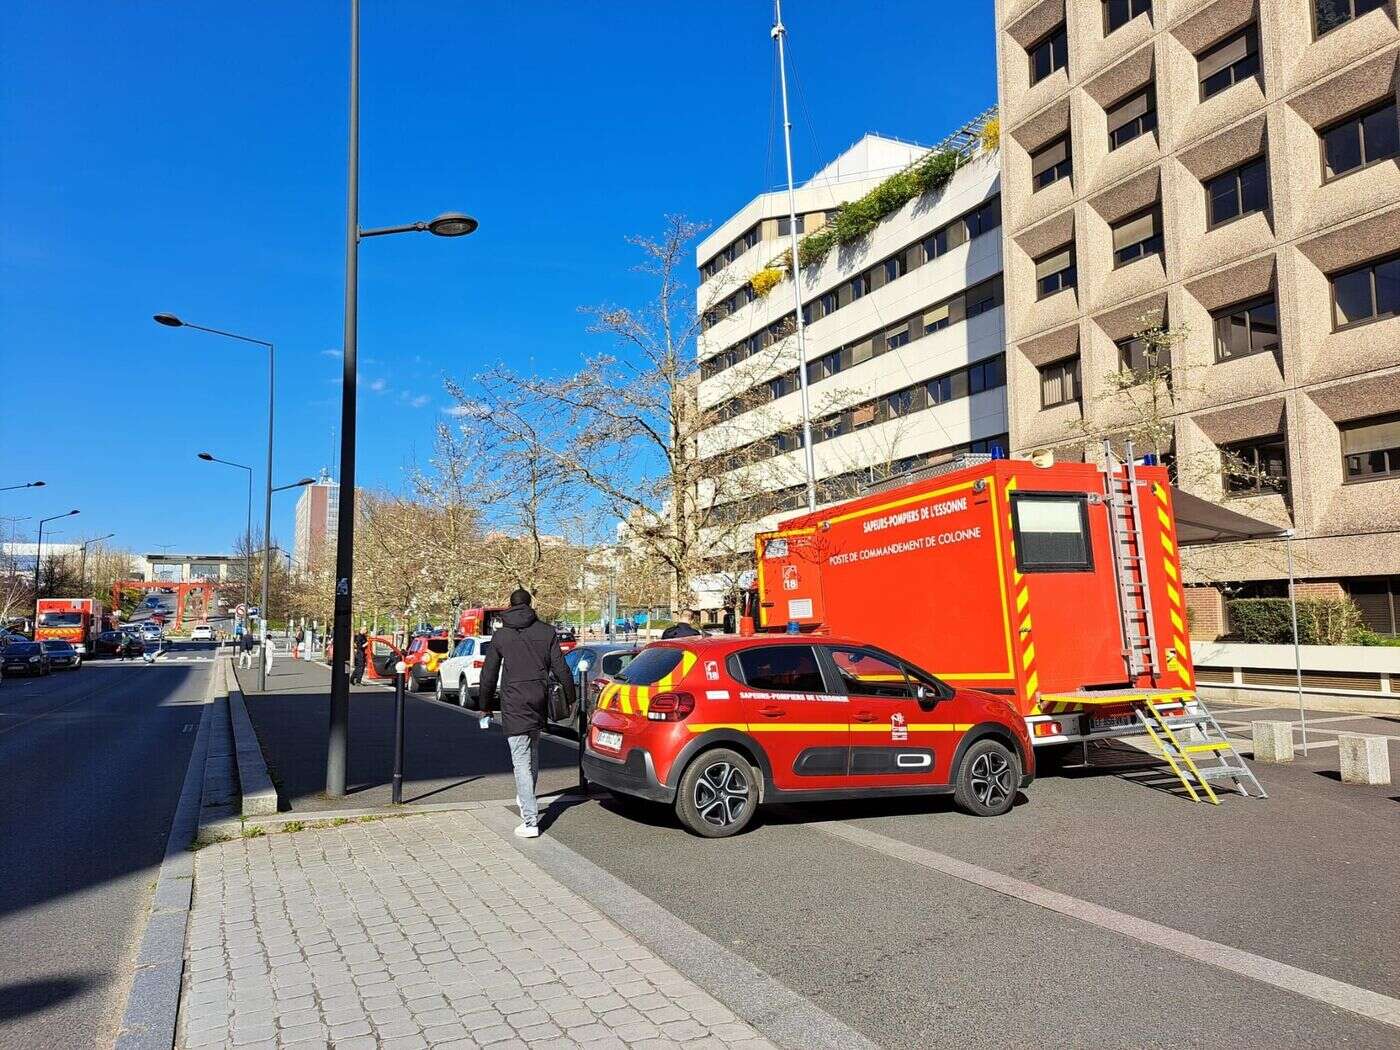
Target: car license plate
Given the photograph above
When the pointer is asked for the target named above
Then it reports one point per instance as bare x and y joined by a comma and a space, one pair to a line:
1106, 722
611, 741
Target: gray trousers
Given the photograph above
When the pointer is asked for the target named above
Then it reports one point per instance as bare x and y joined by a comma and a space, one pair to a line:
525, 757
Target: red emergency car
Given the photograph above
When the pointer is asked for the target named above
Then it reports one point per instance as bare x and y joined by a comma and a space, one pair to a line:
717, 726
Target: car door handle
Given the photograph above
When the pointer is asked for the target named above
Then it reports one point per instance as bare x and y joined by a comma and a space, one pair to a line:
771, 712
864, 716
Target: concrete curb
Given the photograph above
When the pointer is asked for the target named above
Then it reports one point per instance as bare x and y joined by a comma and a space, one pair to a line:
153, 1004
784, 1016
259, 796
218, 813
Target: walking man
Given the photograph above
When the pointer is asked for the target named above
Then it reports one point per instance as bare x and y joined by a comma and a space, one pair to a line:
245, 650
267, 649
360, 645
530, 649
684, 628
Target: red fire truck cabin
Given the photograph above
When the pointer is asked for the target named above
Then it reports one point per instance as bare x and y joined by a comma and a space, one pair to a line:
1057, 587
75, 620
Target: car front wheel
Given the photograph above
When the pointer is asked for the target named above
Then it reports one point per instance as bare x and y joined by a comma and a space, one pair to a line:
718, 794
464, 695
438, 694
987, 779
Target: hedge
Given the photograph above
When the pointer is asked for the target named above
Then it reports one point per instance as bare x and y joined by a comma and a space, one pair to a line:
1321, 621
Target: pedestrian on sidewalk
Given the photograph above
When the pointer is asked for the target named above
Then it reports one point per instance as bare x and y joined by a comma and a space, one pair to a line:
267, 650
530, 649
298, 642
245, 650
361, 647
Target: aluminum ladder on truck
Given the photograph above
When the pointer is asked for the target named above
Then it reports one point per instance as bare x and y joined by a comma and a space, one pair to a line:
1182, 737
1129, 565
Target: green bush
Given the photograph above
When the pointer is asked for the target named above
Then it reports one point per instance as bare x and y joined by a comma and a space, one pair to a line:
1321, 621
854, 219
1366, 636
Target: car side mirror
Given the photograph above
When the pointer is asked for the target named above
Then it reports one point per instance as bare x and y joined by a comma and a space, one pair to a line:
927, 697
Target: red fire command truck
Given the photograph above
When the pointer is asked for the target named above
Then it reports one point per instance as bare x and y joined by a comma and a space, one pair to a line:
75, 620
479, 621
1057, 587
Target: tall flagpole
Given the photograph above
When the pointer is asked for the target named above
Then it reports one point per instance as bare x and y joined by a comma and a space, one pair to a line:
779, 34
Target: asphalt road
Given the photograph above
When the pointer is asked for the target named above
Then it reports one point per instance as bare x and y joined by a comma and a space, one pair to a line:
826, 899
92, 764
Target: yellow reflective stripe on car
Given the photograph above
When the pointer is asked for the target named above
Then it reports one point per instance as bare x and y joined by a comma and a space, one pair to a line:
635, 699
829, 727
913, 727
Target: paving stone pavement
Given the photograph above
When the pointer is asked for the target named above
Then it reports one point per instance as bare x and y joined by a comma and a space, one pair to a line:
421, 931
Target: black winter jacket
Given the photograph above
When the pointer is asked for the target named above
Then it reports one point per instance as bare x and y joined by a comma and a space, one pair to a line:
529, 649
680, 630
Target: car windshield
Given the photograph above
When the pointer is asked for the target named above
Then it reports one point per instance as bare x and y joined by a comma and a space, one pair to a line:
651, 665
438, 645
54, 645
60, 619
21, 649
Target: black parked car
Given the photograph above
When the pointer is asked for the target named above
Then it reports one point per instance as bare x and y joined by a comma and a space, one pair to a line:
62, 654
26, 658
112, 643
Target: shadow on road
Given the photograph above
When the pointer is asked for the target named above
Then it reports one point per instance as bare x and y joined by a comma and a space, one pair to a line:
21, 998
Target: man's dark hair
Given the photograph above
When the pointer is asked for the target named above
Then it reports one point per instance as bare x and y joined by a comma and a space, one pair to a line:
520, 596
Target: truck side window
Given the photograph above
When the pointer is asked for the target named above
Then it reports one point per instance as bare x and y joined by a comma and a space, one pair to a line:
1052, 532
865, 673
782, 668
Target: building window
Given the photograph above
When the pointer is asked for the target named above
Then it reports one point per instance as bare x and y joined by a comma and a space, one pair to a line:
1133, 116
1378, 598
1234, 59
1258, 467
1055, 272
1360, 140
1059, 382
897, 336
1051, 163
1050, 53
1141, 358
1330, 14
1371, 448
1249, 328
1367, 293
1239, 192
984, 219
1137, 236
1118, 13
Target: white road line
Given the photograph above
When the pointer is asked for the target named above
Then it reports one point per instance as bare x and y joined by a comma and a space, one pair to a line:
1360, 1001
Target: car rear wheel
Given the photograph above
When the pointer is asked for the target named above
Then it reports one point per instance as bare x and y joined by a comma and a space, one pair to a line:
717, 794
987, 779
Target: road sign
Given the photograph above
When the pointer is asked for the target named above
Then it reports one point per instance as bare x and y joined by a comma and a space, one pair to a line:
240, 609
252, 610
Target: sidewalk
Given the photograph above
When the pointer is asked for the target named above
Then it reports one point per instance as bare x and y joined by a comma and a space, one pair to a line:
447, 758
430, 930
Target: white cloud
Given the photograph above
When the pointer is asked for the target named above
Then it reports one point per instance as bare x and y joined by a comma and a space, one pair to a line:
416, 402
378, 385
333, 352
467, 408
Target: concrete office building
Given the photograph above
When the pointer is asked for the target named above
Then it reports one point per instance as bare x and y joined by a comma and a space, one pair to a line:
317, 517
1229, 166
903, 334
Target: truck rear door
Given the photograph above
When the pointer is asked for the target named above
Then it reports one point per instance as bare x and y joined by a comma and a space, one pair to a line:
790, 581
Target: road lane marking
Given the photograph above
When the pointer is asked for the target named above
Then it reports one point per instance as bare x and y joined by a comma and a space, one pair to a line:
1360, 1001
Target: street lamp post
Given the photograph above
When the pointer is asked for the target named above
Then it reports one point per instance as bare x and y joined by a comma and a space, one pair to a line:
82, 559
450, 224
248, 536
39, 559
171, 321
26, 485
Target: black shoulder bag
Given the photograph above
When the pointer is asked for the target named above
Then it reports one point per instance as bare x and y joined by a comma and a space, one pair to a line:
556, 703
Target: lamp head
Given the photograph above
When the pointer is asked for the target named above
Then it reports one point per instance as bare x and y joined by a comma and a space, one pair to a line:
36, 484
169, 320
206, 457
452, 224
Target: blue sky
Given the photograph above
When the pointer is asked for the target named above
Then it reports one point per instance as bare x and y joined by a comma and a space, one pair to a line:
188, 156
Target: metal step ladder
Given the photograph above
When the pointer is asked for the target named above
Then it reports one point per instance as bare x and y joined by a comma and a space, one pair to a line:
1182, 737
1121, 487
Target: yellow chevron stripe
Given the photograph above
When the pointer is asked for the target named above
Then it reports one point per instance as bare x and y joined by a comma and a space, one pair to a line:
1174, 595
1026, 623
1176, 620
1022, 596
1167, 545
1171, 570
1164, 518
1028, 657
1032, 683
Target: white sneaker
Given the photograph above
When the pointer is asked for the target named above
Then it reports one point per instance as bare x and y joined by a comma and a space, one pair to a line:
527, 831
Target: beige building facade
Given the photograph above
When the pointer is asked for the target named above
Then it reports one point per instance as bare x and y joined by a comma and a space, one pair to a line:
1228, 168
